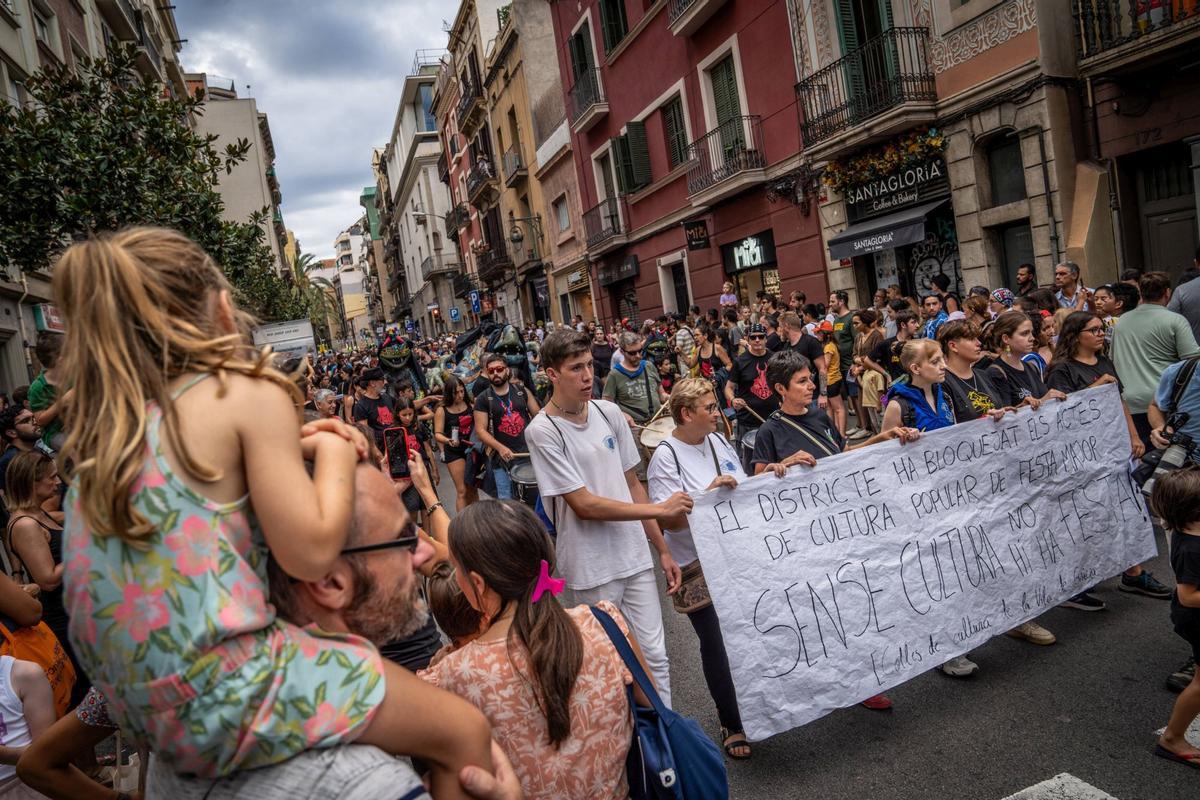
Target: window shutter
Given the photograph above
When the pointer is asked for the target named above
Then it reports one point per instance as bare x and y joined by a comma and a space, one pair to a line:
852, 70
639, 154
620, 164
725, 95
612, 22
676, 132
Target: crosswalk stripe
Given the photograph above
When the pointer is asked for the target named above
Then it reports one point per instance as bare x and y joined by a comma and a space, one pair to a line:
1064, 786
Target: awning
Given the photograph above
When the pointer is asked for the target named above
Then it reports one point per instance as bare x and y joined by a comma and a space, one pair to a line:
882, 233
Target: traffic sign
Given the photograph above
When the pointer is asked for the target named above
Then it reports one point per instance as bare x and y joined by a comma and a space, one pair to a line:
455, 314
475, 304
408, 325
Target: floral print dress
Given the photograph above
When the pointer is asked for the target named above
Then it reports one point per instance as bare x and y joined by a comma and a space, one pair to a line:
181, 640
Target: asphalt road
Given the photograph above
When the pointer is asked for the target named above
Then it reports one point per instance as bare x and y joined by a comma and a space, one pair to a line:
1088, 706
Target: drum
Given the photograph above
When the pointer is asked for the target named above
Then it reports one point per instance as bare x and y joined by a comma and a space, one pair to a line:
524, 482
748, 448
656, 433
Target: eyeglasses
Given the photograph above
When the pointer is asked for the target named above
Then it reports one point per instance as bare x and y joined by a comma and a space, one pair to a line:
1094, 329
497, 370
756, 337
407, 539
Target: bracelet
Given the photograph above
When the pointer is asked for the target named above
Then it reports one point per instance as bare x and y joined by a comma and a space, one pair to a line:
435, 507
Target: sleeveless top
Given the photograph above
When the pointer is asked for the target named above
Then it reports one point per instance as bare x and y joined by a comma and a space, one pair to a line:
14, 730
180, 638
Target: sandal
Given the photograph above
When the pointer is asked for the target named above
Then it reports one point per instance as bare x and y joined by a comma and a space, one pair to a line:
735, 741
1190, 760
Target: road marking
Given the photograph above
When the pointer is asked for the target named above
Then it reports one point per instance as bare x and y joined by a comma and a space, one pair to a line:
1192, 734
1061, 787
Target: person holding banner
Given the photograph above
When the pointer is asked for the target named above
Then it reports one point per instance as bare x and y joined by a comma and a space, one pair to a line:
695, 458
1079, 363
1011, 335
796, 434
920, 402
969, 388
585, 459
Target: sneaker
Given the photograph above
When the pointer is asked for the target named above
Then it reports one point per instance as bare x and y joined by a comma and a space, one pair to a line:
1032, 633
880, 702
1145, 584
961, 667
1083, 602
859, 433
1180, 678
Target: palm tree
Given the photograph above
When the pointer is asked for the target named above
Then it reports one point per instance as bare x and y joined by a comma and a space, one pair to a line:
317, 294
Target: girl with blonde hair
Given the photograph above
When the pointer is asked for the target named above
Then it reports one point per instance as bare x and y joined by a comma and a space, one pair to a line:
187, 469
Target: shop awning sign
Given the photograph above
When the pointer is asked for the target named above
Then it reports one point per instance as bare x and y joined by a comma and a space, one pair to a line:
882, 233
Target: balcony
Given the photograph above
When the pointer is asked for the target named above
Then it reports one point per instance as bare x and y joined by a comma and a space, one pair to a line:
685, 17
514, 166
149, 60
121, 18
493, 266
427, 61
879, 89
586, 103
482, 186
606, 225
470, 108
1122, 35
434, 265
443, 167
464, 284
726, 160
456, 219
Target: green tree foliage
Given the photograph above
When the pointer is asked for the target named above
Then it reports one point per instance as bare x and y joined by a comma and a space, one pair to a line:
100, 148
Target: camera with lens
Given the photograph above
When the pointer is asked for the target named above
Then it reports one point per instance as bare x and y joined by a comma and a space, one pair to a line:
1179, 449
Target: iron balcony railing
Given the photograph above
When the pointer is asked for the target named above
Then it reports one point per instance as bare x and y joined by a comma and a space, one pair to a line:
443, 167
732, 147
481, 173
891, 69
456, 219
493, 265
584, 94
604, 221
1108, 24
464, 284
433, 265
513, 163
466, 103
678, 8
427, 58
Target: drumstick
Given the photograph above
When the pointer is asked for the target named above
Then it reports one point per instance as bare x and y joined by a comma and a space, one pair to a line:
756, 416
661, 408
520, 455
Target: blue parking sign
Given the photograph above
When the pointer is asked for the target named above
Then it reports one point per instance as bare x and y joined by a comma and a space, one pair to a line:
408, 325
475, 304
455, 314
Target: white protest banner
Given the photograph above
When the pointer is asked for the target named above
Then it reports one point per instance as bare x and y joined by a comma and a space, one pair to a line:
838, 582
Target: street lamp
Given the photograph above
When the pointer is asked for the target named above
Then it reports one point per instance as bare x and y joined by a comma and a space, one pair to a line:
517, 237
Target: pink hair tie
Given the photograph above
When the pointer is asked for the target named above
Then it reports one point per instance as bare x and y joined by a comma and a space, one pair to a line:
545, 583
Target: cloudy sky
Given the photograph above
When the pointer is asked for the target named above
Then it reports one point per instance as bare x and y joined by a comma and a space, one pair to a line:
329, 75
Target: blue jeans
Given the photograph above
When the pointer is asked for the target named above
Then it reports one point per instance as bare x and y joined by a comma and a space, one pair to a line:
503, 482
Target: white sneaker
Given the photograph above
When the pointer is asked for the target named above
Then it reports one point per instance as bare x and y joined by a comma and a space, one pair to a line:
1033, 633
858, 434
961, 667
853, 429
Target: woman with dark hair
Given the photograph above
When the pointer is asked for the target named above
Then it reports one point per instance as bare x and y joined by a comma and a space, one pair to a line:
453, 421
1079, 363
708, 358
1011, 337
547, 678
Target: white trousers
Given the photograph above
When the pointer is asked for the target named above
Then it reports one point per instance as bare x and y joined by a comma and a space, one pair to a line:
637, 598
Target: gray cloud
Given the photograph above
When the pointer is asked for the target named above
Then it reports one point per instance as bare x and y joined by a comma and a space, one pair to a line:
328, 75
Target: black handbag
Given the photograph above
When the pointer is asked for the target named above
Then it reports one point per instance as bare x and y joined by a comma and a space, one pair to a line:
1150, 461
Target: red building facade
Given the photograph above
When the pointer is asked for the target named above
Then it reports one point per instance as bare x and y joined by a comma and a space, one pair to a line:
684, 113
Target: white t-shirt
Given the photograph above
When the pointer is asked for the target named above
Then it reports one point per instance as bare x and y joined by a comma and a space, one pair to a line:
567, 456
692, 473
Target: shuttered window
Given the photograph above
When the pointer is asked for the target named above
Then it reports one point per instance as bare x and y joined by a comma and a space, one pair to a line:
725, 91
581, 52
675, 131
613, 24
631, 158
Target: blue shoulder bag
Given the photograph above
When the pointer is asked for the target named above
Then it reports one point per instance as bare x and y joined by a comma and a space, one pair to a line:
670, 757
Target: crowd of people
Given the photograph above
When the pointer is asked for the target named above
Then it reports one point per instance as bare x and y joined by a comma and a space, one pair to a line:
271, 606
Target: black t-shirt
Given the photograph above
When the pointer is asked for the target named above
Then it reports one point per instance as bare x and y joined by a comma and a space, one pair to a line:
887, 355
464, 422
508, 414
1013, 386
777, 439
1071, 375
810, 348
774, 343
749, 377
378, 414
1185, 561
480, 385
601, 359
971, 399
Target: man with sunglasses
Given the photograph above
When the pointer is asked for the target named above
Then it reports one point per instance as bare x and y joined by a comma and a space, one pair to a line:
372, 591
634, 383
502, 412
21, 433
747, 389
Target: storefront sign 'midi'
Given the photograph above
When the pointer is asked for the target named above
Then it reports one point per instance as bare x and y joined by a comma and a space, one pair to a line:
838, 582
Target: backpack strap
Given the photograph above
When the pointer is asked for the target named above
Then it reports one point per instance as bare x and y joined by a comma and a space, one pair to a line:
825, 446
621, 643
1181, 382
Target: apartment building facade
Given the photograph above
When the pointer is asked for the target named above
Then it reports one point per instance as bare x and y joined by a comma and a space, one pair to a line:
683, 121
